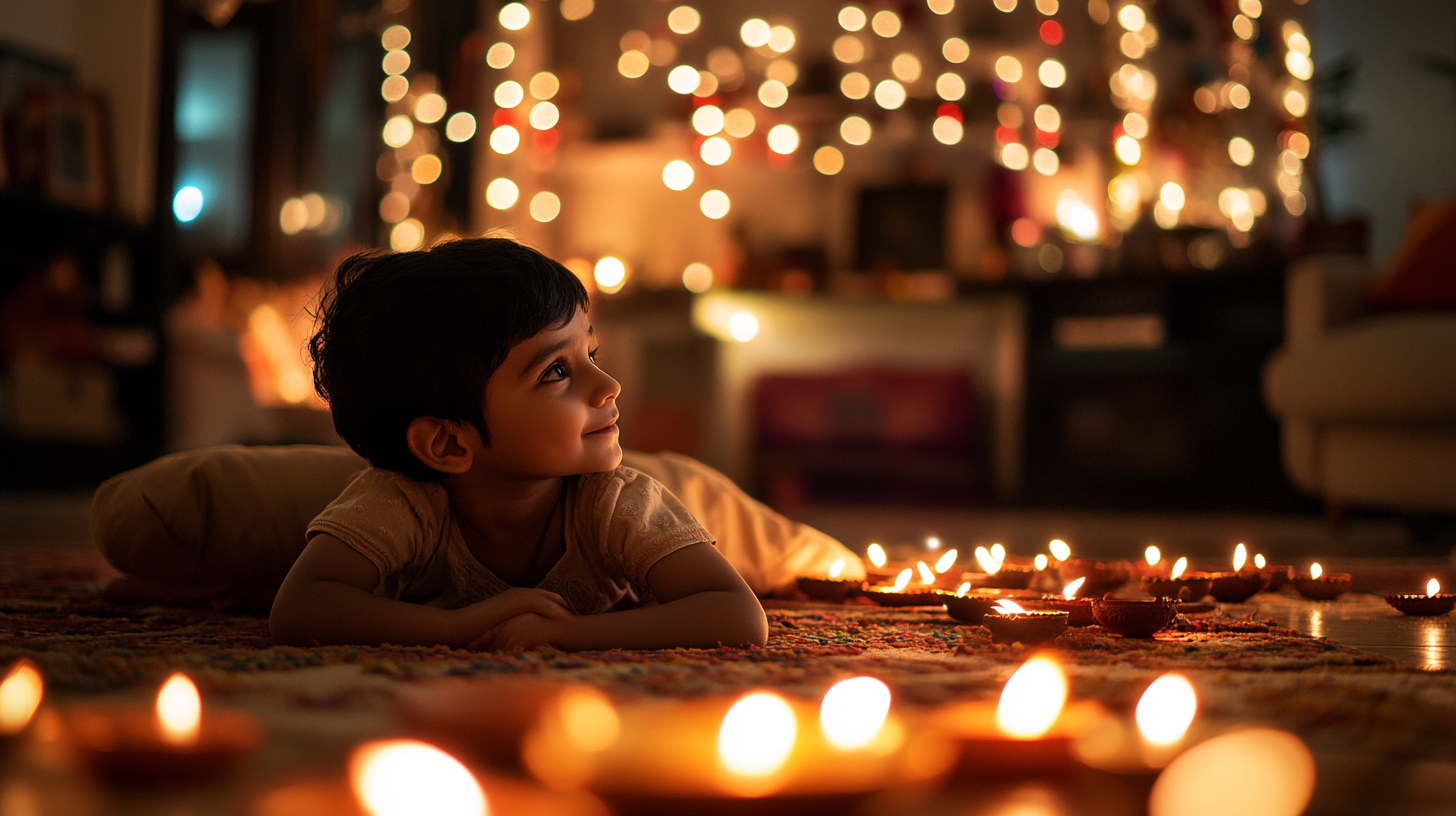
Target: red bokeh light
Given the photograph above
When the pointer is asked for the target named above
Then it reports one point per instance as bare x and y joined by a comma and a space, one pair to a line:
1051, 32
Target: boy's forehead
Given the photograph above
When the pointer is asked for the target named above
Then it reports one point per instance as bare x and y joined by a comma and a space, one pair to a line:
543, 344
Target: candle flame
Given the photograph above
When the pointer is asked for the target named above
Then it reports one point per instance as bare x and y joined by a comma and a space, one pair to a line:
989, 564
402, 777
1040, 561
946, 561
1153, 555
1166, 709
876, 555
1006, 606
1070, 590
1259, 561
179, 710
1315, 570
836, 569
853, 712
757, 735
1274, 770
903, 580
998, 552
1433, 587
926, 576
932, 543
1060, 550
1179, 567
20, 694
963, 589
1241, 556
1032, 699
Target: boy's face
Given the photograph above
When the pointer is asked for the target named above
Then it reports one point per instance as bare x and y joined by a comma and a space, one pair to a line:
550, 410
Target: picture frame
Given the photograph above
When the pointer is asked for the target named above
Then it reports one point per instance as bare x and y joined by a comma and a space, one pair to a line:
61, 147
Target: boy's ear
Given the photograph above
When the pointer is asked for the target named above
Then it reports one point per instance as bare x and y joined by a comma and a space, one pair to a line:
441, 444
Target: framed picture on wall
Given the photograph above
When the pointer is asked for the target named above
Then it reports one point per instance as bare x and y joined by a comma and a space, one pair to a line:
62, 146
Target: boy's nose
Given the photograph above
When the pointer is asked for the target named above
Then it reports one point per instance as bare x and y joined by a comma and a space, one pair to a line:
609, 389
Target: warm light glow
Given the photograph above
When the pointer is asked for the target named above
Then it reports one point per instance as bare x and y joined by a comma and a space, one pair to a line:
855, 130
407, 235
1166, 709
505, 139
610, 273
1259, 561
1128, 150
426, 169
828, 160
500, 55
1047, 118
393, 208
998, 552
855, 85
1296, 102
715, 151
1243, 27
757, 735
544, 85
677, 175
1052, 74
744, 327
754, 32
1179, 567
1045, 161
179, 710
1238, 95
941, 6
394, 88
1152, 555
1032, 699
947, 130
1070, 590
955, 50
1315, 570
1252, 8
460, 127
402, 777
1008, 68
889, 94
1260, 772
1241, 151
1007, 6
683, 79
1132, 17
1433, 587
545, 206
886, 23
20, 694
1006, 606
932, 543
293, 216
509, 94
697, 277
1075, 217
950, 87
1172, 197
1040, 561
905, 67
1059, 549
852, 18
514, 16
398, 130
964, 588
853, 712
836, 569
876, 554
988, 562
632, 64
1300, 66
395, 62
1136, 125
848, 49
903, 580
1015, 156
927, 577
780, 39
395, 37
544, 115
430, 108
946, 561
773, 94
708, 120
577, 9
783, 139
1241, 557
684, 20
714, 204
739, 123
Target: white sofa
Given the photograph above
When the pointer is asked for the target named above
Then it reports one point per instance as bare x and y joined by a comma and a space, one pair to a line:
1367, 401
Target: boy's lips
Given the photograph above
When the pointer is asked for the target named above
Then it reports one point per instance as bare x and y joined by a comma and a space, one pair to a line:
610, 426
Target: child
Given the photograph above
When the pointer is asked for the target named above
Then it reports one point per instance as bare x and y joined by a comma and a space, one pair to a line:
495, 513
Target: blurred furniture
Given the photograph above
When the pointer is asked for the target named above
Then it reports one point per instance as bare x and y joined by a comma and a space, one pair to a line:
1367, 402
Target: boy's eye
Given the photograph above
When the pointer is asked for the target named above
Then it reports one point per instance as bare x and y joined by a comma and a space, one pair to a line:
555, 371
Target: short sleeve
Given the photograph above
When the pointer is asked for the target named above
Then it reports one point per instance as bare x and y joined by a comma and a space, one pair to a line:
387, 518
637, 522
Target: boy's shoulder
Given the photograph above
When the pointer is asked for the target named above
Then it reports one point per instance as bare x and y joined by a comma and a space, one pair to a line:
378, 491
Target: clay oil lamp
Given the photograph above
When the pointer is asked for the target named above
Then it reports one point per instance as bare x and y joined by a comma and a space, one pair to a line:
1157, 734
1135, 617
1079, 610
1179, 583
1279, 574
879, 570
173, 742
833, 588
996, 573
1153, 565
946, 576
1434, 602
1028, 731
969, 605
902, 594
21, 693
1241, 584
1319, 585
1010, 622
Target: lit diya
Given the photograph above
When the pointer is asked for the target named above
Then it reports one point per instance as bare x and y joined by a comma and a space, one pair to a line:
1434, 602
1009, 622
1319, 585
1179, 583
1135, 617
21, 693
996, 573
1153, 565
1279, 574
1240, 585
758, 753
174, 741
1158, 733
1102, 576
971, 605
902, 594
1079, 610
832, 588
879, 571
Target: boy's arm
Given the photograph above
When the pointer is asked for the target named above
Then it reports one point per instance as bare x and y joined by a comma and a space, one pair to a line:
703, 603
327, 599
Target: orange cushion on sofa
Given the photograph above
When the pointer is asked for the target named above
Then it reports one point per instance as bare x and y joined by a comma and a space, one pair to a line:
1422, 274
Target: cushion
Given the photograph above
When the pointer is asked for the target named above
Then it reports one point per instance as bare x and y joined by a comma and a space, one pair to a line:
1422, 273
235, 516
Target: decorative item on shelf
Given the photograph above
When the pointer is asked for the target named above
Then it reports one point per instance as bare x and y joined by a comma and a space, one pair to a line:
21, 693
1157, 734
1241, 584
1079, 610
1102, 577
1179, 583
1029, 730
1010, 622
832, 588
1135, 617
1318, 585
971, 605
1434, 602
60, 147
756, 753
173, 742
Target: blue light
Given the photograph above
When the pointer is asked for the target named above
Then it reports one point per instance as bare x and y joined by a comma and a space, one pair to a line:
187, 204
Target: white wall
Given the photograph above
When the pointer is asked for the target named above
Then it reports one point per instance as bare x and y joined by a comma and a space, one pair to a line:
115, 47
1408, 148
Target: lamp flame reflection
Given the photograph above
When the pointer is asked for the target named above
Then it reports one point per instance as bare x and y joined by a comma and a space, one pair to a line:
1070, 590
400, 777
179, 710
20, 695
1166, 709
757, 735
1032, 699
853, 712
876, 554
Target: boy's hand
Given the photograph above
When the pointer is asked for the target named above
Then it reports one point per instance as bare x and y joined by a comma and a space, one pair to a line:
525, 631
488, 615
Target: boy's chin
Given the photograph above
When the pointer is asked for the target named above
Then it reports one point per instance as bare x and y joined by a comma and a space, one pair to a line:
609, 460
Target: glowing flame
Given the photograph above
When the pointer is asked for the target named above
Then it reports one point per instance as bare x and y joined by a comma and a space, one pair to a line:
932, 543
1179, 567
837, 569
1167, 709
963, 589
946, 561
589, 720
926, 576
1241, 557
401, 777
179, 710
1040, 561
1315, 570
1070, 590
998, 552
853, 712
757, 735
902, 580
1060, 550
1433, 587
988, 562
20, 695
1274, 769
1153, 555
876, 554
1259, 562
1032, 699
1006, 606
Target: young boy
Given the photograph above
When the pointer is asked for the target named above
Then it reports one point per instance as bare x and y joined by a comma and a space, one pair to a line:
495, 513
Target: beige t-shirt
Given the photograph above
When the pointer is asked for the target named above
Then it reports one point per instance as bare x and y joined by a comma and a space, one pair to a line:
618, 524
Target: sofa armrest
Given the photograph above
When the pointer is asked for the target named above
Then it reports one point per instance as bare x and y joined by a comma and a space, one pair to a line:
1321, 291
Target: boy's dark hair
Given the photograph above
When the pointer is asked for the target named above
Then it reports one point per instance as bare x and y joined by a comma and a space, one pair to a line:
410, 334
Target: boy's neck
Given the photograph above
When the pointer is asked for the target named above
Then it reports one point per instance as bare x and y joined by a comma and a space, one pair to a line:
507, 522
